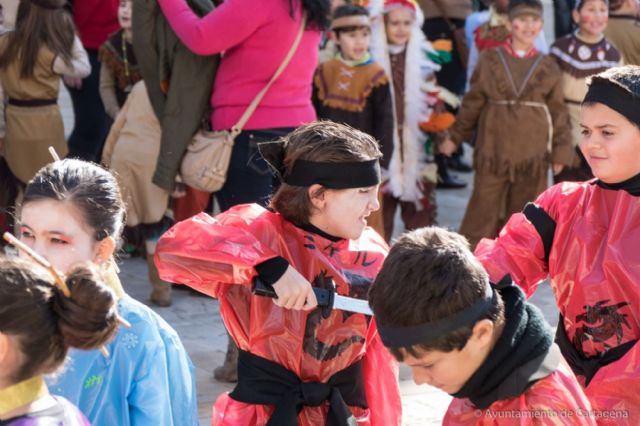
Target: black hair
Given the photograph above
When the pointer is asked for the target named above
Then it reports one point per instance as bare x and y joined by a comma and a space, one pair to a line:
430, 274
318, 12
625, 77
535, 4
581, 3
348, 10
89, 187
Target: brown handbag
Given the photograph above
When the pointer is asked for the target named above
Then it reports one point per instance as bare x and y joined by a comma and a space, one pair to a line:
459, 37
206, 160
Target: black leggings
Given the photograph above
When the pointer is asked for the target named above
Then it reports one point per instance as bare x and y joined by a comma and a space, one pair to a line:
91, 121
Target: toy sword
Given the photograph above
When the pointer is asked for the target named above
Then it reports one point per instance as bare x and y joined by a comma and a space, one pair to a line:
327, 299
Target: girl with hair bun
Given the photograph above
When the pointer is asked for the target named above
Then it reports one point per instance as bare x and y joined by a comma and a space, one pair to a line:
72, 212
34, 314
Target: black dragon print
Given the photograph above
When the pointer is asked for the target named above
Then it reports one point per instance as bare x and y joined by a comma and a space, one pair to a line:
599, 323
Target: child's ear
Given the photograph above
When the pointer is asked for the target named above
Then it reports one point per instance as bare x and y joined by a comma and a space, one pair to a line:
508, 25
575, 15
317, 196
483, 332
4, 348
334, 37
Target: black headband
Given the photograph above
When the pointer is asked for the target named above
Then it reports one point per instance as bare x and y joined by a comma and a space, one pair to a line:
616, 98
404, 337
357, 174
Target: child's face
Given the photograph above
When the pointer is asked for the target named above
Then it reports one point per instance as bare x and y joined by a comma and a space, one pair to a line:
124, 14
57, 232
449, 371
354, 45
525, 29
610, 143
343, 213
592, 18
398, 25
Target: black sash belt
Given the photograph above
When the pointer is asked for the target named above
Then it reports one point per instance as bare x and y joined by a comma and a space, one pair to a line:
587, 366
265, 382
32, 102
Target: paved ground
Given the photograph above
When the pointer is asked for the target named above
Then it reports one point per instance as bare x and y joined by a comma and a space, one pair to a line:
198, 322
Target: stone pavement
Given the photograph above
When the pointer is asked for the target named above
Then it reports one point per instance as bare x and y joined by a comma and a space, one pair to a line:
197, 320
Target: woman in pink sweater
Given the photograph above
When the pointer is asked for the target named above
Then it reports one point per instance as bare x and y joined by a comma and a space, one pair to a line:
255, 36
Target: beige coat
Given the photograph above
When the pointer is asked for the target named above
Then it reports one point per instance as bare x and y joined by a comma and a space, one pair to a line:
131, 151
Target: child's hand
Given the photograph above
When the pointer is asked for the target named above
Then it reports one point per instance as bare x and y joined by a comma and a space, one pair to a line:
447, 147
294, 291
557, 168
179, 190
74, 83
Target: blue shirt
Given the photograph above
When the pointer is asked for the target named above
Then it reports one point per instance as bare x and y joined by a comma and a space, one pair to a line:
148, 378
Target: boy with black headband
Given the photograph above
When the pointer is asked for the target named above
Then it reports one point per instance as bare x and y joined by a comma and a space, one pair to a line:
515, 107
297, 364
486, 346
354, 89
584, 236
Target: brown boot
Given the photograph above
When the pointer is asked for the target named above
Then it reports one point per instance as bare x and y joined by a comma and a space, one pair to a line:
228, 372
161, 290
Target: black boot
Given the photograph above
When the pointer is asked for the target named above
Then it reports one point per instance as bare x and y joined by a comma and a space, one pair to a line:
456, 162
446, 180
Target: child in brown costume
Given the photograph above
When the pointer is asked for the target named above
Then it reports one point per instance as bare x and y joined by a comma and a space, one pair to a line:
119, 70
584, 53
516, 106
624, 29
353, 89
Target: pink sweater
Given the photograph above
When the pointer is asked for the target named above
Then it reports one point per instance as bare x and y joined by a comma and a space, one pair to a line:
255, 36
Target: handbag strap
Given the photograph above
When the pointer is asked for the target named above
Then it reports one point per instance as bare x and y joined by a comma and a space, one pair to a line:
237, 128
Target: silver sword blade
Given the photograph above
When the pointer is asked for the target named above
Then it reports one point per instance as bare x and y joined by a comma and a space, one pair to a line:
352, 305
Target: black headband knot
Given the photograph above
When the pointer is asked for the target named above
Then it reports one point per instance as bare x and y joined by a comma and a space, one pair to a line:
273, 154
343, 175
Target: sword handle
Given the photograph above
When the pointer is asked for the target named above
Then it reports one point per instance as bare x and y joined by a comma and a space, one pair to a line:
260, 288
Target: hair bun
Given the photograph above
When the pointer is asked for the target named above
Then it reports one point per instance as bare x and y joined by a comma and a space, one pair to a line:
88, 318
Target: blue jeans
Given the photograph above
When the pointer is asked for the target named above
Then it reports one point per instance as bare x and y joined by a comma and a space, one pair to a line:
249, 179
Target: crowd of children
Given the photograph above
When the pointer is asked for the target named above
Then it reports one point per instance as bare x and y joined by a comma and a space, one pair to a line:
451, 306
